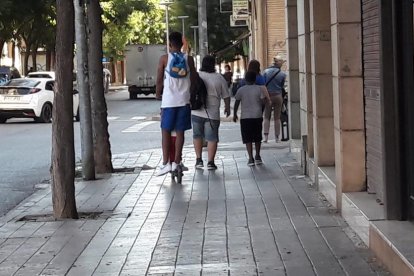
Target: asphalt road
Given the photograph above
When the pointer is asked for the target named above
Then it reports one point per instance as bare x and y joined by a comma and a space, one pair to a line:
25, 147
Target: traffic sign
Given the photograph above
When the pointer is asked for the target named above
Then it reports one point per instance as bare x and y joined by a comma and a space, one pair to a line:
240, 9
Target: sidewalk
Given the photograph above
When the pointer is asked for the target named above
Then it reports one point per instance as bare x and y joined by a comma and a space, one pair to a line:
265, 220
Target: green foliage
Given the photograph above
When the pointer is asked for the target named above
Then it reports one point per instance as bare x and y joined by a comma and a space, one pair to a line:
114, 40
31, 21
125, 21
40, 26
118, 11
147, 27
184, 7
131, 21
5, 7
6, 32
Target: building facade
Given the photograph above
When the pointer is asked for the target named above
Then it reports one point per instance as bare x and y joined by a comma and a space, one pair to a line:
268, 29
351, 84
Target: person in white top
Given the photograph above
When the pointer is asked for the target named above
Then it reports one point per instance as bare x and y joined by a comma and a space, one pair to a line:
206, 121
174, 92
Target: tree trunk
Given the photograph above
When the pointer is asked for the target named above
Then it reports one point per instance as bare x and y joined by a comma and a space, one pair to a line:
2, 41
115, 71
13, 53
26, 61
102, 146
82, 76
63, 149
48, 59
53, 61
34, 58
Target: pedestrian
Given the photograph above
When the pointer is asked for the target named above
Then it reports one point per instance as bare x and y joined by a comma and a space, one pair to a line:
252, 97
206, 121
275, 81
175, 75
106, 79
254, 66
14, 73
228, 75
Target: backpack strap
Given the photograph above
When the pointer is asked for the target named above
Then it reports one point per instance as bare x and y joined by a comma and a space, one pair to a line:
274, 75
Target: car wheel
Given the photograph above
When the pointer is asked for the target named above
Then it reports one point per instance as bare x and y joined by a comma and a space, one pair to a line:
46, 115
132, 96
77, 117
3, 120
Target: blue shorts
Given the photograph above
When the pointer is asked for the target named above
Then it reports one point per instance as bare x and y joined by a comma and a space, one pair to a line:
176, 118
205, 128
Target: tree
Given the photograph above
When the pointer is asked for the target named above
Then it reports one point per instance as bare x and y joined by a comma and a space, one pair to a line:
102, 146
117, 29
63, 150
147, 27
33, 24
6, 32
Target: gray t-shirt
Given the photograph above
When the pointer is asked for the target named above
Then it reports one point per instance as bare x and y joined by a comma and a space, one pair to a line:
216, 89
251, 97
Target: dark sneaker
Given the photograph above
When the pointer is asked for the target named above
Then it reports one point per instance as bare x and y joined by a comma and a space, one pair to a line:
211, 165
258, 160
185, 168
251, 162
199, 163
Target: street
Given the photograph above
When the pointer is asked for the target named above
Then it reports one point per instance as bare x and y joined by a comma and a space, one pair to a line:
26, 145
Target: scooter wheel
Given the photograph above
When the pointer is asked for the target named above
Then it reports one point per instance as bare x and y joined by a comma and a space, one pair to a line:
179, 174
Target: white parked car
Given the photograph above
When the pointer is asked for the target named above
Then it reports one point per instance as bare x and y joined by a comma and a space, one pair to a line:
42, 75
30, 98
51, 74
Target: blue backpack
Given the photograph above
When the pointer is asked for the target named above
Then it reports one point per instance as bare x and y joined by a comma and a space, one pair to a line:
178, 66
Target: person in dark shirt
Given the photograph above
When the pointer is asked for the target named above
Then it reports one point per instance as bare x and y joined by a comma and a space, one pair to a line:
228, 75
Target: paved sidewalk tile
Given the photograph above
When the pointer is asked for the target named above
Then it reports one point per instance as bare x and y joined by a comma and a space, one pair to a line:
237, 220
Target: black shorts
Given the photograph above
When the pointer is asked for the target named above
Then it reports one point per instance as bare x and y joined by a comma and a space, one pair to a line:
251, 130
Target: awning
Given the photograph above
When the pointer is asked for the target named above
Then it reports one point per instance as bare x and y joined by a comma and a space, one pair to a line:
232, 44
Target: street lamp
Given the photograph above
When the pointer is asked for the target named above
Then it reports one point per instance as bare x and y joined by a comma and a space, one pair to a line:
167, 3
183, 18
195, 28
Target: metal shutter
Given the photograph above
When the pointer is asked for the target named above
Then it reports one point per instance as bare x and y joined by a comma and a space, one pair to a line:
372, 90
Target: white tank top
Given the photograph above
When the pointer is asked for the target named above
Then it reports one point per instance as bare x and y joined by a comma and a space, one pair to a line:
176, 90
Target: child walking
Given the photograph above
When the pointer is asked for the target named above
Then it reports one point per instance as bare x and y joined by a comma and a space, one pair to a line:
252, 98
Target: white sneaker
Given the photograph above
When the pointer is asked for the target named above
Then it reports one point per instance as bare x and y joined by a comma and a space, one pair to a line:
277, 140
173, 166
164, 169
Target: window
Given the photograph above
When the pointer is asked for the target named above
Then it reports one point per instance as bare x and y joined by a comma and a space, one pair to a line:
50, 85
